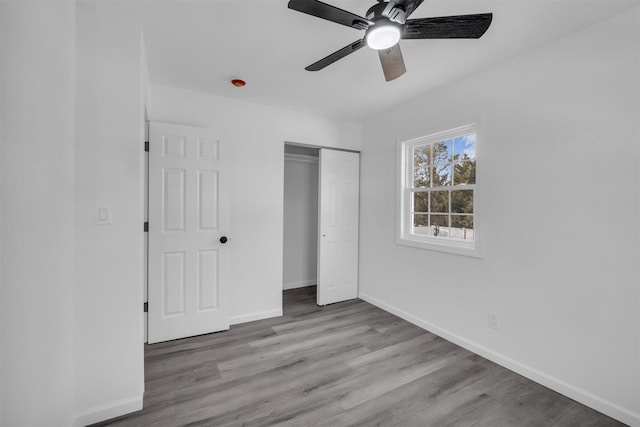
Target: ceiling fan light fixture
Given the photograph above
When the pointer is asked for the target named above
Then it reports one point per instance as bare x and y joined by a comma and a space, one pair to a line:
383, 36
385, 23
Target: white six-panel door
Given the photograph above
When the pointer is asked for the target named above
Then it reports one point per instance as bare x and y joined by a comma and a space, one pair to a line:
338, 226
188, 216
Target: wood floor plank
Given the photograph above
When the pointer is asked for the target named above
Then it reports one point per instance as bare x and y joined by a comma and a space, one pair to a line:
461, 414
398, 404
383, 376
300, 345
204, 372
388, 336
533, 406
326, 314
341, 350
465, 405
344, 364
393, 350
331, 326
582, 416
246, 400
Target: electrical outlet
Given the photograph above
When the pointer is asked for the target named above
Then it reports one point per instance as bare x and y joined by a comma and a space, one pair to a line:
494, 321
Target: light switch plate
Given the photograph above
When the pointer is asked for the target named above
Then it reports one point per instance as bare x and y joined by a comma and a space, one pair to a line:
102, 214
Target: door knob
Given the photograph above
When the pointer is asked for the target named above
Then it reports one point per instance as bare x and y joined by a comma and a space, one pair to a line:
223, 239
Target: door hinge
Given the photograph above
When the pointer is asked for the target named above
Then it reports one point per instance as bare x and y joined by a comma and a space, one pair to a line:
145, 307
146, 146
146, 227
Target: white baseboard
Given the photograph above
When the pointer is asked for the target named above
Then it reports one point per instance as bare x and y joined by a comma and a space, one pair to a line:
299, 284
108, 411
599, 404
244, 318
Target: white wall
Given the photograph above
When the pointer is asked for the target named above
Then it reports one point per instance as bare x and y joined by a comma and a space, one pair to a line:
300, 221
559, 204
109, 170
2, 107
38, 115
254, 136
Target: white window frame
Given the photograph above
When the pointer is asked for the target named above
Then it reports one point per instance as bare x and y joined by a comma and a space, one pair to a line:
404, 218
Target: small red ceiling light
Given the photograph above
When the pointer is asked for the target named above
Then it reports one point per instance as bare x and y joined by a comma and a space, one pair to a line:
238, 82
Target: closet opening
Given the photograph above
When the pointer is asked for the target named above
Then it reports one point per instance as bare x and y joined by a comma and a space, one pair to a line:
321, 216
300, 257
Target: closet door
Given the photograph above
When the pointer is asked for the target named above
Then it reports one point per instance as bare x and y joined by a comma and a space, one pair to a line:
338, 226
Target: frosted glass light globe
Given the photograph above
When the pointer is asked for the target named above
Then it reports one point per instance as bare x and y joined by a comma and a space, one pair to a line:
383, 37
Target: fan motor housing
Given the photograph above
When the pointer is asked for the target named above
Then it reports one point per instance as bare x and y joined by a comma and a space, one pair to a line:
375, 15
375, 12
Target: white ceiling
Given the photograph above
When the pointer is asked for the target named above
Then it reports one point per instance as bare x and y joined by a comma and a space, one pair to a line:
201, 45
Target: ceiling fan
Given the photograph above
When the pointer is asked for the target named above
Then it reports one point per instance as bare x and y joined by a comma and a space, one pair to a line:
386, 23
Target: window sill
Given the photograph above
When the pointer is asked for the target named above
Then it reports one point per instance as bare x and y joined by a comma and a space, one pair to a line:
445, 247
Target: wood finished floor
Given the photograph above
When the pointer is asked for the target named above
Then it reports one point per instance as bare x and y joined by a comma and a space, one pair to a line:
346, 364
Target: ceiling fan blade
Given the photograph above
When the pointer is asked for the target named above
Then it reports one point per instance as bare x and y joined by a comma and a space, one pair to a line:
330, 13
448, 27
316, 66
392, 62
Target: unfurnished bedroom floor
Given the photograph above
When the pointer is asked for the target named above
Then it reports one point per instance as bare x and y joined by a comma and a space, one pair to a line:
341, 365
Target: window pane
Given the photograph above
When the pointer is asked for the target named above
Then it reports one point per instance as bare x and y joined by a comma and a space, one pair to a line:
422, 155
462, 227
421, 202
464, 147
464, 172
439, 225
442, 152
462, 201
440, 201
422, 177
421, 225
441, 176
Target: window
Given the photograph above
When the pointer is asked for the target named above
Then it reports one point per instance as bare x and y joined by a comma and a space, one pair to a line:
438, 192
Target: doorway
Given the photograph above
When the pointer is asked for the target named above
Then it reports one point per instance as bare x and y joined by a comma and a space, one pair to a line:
300, 219
320, 242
